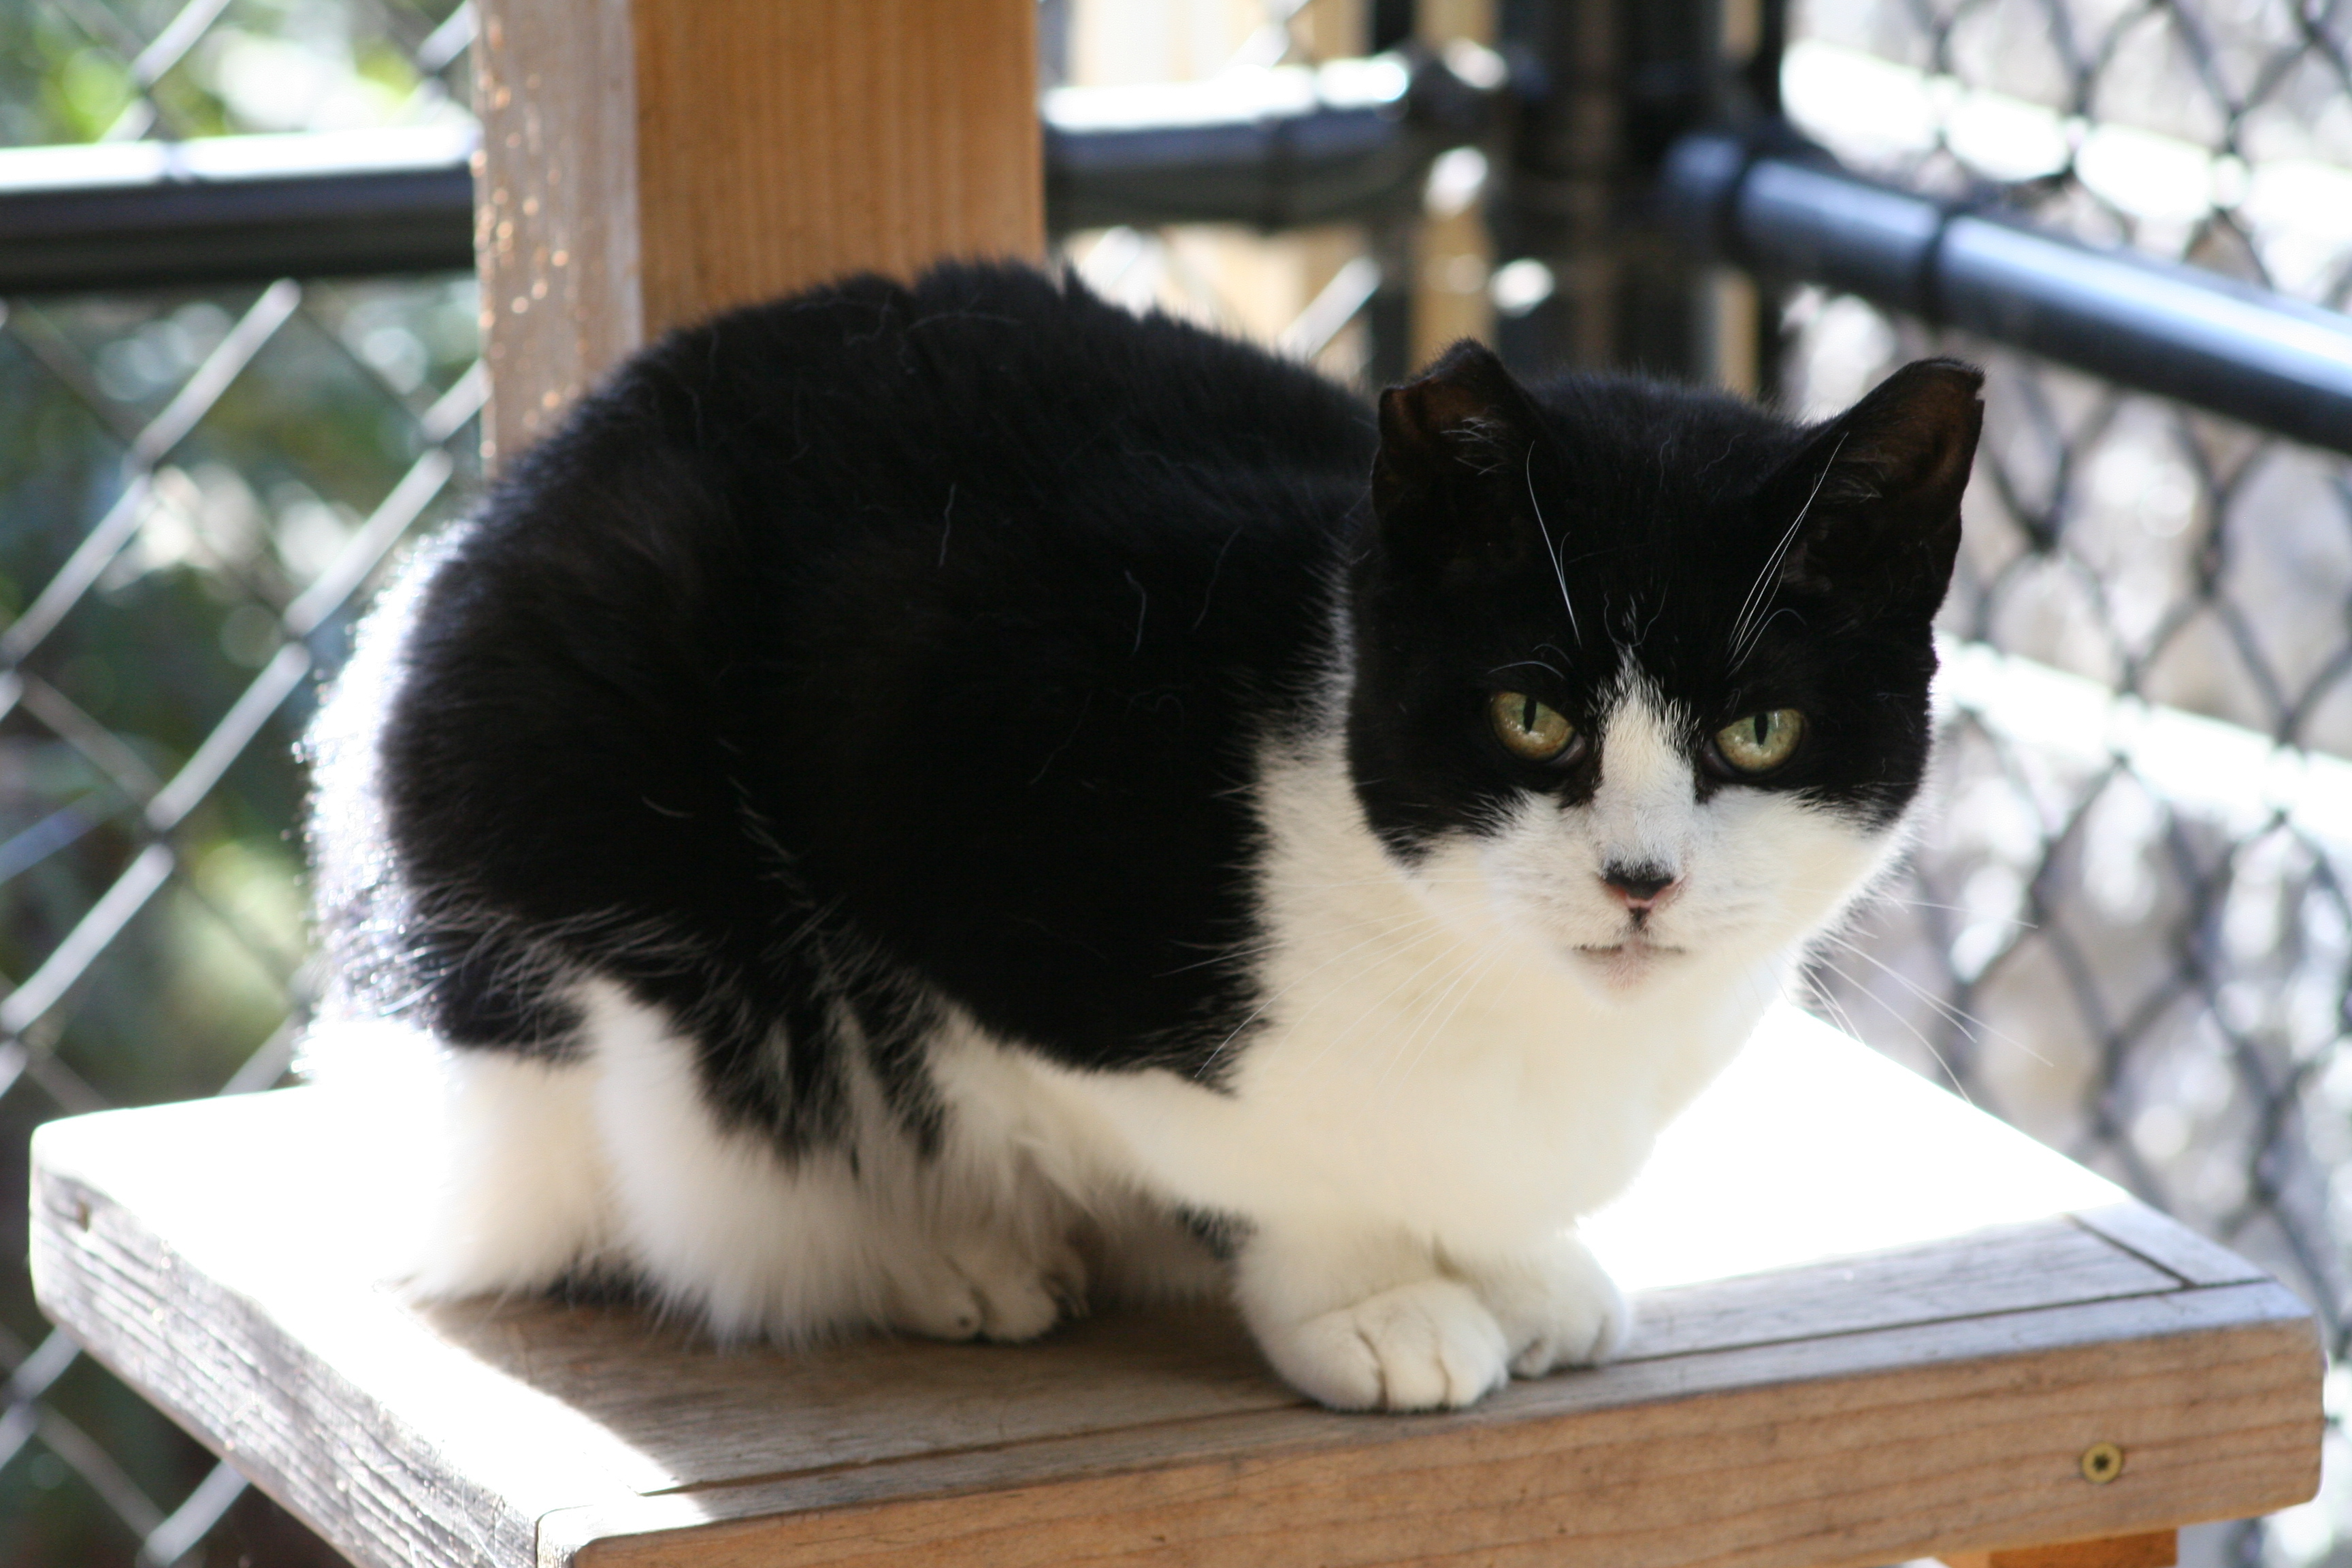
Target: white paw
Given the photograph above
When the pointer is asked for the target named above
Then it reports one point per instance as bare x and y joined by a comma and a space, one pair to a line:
986, 1290
1429, 1345
1556, 1305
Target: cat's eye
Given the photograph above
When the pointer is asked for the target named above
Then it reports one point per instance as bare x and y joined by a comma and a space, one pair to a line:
1761, 741
1530, 728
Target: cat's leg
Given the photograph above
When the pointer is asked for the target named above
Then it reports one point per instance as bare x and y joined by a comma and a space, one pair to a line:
491, 1180
995, 1254
1365, 1320
714, 1218
1556, 1305
866, 1233
518, 1200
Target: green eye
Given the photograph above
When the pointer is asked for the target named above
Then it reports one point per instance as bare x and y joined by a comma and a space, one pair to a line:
1529, 728
1761, 741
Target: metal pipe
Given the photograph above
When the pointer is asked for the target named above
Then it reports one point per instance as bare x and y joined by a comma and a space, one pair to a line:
2239, 350
148, 214
1272, 148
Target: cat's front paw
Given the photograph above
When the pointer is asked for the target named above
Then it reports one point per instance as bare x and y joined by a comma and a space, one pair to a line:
1428, 1345
1556, 1305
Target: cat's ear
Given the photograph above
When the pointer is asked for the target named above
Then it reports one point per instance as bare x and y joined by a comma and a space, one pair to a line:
1466, 414
1878, 491
1463, 421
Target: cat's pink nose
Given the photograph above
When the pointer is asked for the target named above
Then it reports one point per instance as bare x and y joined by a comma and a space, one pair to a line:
1640, 887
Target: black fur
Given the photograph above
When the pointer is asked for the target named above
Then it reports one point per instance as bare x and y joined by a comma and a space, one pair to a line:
887, 643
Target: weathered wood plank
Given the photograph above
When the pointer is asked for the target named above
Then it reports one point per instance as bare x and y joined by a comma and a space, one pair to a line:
2002, 1268
555, 206
693, 1415
382, 1487
1748, 1457
2168, 1244
2158, 1549
1971, 1363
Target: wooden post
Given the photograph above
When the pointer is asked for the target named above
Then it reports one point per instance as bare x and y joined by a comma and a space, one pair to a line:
2157, 1548
646, 163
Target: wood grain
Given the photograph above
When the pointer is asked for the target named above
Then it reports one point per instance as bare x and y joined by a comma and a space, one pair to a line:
647, 163
1750, 1457
2168, 1244
1931, 1395
781, 145
555, 206
2157, 1548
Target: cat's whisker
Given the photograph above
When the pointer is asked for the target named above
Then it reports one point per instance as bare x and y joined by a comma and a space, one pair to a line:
1550, 549
1489, 956
1766, 584
1958, 1084
1380, 1003
1426, 1015
1909, 903
1829, 1001
1951, 1013
1347, 1032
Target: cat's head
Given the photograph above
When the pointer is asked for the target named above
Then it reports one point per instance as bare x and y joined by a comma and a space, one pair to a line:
1641, 673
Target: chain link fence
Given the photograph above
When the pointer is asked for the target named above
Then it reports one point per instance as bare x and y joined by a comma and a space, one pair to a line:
2130, 931
195, 490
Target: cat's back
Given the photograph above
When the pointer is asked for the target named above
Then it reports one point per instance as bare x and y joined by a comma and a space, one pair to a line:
978, 595
985, 434
868, 396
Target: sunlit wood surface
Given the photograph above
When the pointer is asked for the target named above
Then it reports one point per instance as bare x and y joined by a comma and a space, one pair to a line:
1873, 1324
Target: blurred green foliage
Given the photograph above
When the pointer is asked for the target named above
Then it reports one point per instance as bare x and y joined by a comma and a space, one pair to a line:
244, 512
69, 68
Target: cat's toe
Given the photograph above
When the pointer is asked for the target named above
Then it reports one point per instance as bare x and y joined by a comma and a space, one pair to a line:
987, 1289
1558, 1307
932, 1297
1022, 1297
1429, 1345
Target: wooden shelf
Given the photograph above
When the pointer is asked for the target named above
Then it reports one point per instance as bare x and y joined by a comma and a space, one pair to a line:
1873, 1324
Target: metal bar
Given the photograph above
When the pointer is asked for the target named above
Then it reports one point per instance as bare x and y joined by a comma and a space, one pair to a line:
158, 215
2225, 346
1275, 148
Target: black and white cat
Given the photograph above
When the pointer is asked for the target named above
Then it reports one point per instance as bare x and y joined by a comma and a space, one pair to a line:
917, 804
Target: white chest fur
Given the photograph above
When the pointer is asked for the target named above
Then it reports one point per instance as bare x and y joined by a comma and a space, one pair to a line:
1410, 1062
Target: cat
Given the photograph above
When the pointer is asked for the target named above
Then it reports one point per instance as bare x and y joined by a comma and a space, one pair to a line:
920, 806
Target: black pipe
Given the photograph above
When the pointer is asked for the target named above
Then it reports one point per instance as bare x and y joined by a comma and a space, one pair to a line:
164, 215
2182, 332
1277, 149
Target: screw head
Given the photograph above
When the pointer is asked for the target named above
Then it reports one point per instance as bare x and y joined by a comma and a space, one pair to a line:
2102, 1462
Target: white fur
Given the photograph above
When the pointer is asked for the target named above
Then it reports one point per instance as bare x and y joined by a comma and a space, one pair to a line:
1443, 1083
1455, 1062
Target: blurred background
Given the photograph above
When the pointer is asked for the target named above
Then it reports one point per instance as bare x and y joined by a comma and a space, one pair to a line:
2127, 928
